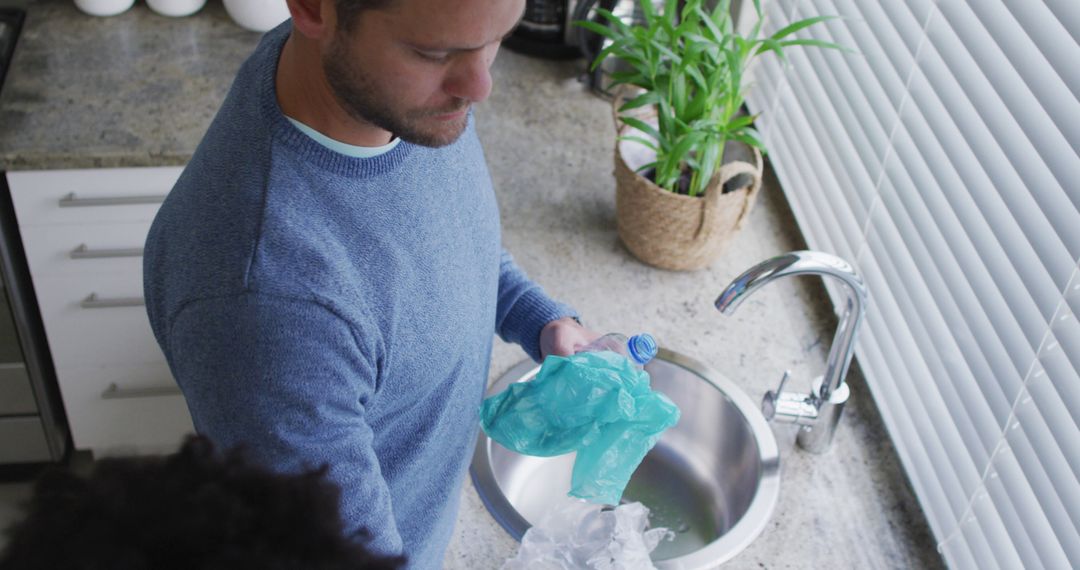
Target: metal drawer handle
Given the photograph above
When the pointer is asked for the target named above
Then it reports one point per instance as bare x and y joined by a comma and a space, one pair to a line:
92, 301
72, 201
114, 392
84, 252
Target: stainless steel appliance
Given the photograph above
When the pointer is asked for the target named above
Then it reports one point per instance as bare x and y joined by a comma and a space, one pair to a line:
33, 428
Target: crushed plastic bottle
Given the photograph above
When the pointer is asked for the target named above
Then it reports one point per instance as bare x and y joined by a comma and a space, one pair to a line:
583, 536
640, 348
598, 403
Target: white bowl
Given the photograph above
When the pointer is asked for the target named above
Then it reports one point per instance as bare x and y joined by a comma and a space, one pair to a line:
176, 8
257, 15
104, 7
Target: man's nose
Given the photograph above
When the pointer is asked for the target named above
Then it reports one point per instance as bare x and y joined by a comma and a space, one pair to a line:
470, 79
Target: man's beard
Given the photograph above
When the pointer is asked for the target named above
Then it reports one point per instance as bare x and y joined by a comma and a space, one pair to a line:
361, 98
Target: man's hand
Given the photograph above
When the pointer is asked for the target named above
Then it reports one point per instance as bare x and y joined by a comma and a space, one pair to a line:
563, 337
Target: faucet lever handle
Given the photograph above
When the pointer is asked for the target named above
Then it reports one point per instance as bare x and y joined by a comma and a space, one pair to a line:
769, 402
783, 380
789, 407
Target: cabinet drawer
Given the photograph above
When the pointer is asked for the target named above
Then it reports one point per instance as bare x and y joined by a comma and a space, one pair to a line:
85, 248
96, 320
22, 440
124, 409
16, 394
90, 196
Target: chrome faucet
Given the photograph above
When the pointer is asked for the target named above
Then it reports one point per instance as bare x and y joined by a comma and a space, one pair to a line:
819, 411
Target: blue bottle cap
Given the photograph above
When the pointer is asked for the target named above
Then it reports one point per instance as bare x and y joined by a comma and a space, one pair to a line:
642, 348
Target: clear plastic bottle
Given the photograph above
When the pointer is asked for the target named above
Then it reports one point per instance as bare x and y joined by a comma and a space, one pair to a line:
640, 348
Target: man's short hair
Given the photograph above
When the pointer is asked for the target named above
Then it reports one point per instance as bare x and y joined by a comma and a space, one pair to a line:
349, 10
195, 510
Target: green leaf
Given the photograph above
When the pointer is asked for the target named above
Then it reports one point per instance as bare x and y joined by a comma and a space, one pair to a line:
666, 177
734, 63
619, 25
678, 93
671, 10
710, 155
648, 98
648, 12
756, 31
694, 40
631, 77
684, 146
740, 122
682, 125
774, 46
796, 26
816, 43
604, 53
699, 79
642, 126
648, 143
675, 58
596, 28
645, 167
665, 108
710, 26
722, 17
751, 138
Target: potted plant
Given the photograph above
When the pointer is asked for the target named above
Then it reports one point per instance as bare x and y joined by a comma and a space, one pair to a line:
678, 202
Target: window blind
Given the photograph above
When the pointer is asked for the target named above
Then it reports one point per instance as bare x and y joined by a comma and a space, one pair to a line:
942, 161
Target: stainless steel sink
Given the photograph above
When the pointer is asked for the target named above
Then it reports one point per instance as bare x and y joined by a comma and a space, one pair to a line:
713, 479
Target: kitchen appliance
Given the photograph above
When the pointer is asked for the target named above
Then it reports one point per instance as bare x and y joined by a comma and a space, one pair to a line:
33, 427
590, 44
10, 22
545, 30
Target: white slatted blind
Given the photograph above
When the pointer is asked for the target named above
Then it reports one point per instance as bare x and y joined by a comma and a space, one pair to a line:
944, 161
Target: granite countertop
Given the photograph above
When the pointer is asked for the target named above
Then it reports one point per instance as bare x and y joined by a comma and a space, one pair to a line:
140, 89
137, 89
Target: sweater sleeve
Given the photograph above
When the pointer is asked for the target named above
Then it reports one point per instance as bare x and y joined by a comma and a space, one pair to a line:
523, 308
288, 380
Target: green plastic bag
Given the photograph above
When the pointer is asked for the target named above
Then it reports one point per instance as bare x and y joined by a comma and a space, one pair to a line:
596, 403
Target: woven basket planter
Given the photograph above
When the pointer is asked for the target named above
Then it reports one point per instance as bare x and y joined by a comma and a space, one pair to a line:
676, 231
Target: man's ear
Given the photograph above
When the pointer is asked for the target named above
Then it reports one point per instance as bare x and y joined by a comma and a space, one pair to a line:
312, 18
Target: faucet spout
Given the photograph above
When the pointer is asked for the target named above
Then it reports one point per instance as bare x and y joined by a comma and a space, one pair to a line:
843, 346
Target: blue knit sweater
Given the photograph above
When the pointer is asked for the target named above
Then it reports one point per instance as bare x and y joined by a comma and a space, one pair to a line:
322, 309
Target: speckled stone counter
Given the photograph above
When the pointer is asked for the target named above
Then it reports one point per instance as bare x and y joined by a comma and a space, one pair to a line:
140, 89
137, 89
549, 143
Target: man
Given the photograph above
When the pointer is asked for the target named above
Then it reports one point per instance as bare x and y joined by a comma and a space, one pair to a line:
194, 510
326, 275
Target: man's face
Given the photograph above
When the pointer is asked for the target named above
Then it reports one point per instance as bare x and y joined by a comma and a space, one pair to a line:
415, 68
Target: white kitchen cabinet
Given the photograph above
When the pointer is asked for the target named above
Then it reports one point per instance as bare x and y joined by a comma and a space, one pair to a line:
75, 250
83, 233
124, 408
96, 320
89, 196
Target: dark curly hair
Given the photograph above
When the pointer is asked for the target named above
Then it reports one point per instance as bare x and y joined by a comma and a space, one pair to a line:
194, 510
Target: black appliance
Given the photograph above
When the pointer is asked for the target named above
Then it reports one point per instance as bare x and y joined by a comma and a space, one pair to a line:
545, 30
33, 428
10, 22
590, 44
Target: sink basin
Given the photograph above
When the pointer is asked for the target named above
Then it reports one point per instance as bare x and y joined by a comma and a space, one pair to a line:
713, 479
